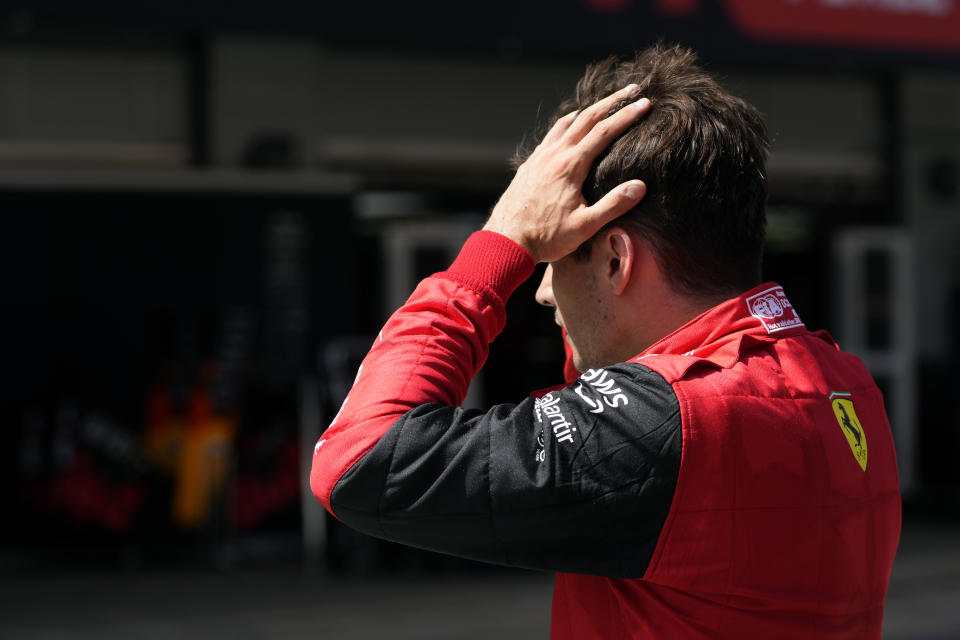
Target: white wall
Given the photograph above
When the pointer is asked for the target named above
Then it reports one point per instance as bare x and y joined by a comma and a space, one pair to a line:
92, 104
326, 96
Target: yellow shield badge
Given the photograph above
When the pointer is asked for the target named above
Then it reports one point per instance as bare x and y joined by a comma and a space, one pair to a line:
850, 425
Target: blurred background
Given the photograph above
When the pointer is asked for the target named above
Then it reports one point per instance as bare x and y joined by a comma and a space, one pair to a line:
210, 209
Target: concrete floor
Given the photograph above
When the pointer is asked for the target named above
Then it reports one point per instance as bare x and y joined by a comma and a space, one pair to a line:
923, 601
282, 601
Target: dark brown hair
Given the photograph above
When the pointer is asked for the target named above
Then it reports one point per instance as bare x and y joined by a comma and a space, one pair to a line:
701, 152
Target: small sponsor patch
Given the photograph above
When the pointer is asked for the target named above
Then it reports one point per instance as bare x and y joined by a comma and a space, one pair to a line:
602, 390
846, 415
773, 310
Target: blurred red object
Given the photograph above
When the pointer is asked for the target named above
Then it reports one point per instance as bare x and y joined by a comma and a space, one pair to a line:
677, 7
86, 497
258, 497
913, 24
615, 6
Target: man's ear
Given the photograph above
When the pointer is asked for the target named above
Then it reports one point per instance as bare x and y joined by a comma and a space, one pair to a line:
620, 258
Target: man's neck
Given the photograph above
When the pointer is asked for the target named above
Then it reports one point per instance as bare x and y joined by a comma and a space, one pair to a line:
653, 313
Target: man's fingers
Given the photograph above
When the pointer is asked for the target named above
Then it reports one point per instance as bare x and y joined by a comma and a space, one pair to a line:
605, 132
582, 224
613, 205
587, 119
560, 127
543, 208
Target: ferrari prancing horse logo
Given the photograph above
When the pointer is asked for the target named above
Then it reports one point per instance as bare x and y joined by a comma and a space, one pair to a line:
850, 425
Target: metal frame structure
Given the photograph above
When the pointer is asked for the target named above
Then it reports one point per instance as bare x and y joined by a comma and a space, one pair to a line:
895, 361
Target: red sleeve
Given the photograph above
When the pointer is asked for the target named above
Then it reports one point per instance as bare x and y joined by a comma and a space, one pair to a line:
428, 351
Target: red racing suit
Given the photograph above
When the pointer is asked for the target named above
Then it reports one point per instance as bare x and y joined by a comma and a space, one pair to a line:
735, 480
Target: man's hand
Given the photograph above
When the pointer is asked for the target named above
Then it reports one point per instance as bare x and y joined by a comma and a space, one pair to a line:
543, 210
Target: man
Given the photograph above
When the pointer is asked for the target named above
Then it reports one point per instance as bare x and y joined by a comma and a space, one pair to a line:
707, 476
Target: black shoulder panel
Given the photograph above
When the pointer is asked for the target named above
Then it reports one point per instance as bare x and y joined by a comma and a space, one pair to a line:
580, 480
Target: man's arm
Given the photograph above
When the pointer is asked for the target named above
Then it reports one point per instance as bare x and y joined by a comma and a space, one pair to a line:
428, 352
579, 480
532, 484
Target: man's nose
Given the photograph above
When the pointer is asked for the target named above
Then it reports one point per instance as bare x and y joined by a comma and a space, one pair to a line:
544, 293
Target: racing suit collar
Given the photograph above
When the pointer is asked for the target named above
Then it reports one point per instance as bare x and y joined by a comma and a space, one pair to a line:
718, 335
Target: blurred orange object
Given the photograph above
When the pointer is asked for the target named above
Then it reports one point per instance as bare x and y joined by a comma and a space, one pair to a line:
204, 462
163, 436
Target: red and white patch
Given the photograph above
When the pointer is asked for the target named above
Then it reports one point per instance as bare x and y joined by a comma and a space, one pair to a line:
773, 310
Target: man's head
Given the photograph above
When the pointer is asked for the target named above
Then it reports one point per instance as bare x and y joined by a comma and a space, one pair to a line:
701, 152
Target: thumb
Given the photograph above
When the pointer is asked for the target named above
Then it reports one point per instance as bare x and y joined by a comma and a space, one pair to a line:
616, 202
